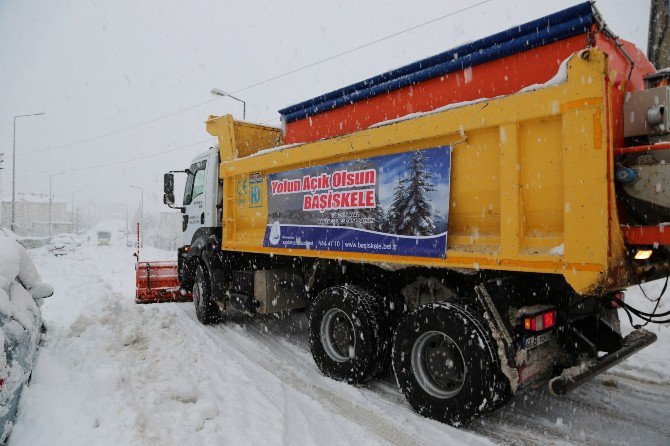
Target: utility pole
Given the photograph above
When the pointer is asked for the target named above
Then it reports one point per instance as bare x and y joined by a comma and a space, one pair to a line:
51, 200
13, 225
125, 206
141, 222
73, 212
141, 203
658, 44
2, 160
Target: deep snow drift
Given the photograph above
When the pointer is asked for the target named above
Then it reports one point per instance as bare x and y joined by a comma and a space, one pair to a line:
112, 372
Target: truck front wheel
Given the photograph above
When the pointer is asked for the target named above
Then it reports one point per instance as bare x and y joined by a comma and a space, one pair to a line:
446, 365
348, 337
206, 310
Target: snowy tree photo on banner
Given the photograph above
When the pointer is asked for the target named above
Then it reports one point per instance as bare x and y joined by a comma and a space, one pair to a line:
393, 204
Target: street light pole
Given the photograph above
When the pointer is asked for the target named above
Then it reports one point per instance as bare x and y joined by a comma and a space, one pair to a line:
13, 224
51, 199
72, 204
141, 209
223, 94
125, 206
141, 202
2, 160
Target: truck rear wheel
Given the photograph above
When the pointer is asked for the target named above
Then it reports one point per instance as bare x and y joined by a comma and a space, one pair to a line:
206, 310
445, 362
350, 338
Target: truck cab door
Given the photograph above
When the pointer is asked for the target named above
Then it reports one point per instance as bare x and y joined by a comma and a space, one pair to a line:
202, 196
194, 200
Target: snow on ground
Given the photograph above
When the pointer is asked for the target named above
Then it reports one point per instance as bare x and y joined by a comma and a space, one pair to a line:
112, 372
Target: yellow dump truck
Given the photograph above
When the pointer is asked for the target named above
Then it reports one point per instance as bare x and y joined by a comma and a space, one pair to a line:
478, 245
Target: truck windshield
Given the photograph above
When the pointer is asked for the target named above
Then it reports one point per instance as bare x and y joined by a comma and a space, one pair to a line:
195, 182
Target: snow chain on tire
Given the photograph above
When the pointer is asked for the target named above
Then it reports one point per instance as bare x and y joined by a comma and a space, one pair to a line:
372, 333
457, 332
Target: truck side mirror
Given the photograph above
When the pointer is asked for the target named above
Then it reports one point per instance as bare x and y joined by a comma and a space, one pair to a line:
168, 199
168, 185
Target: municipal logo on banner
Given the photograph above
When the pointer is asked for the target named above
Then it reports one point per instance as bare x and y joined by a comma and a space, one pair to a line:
393, 204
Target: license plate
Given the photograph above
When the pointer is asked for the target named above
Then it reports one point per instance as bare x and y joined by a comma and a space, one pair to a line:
536, 340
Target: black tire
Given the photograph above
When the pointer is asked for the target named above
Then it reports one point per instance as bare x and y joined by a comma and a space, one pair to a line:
468, 383
349, 338
206, 310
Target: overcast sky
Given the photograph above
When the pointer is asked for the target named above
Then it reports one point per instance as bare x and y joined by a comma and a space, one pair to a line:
96, 66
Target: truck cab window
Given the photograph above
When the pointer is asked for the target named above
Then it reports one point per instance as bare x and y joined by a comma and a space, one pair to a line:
198, 183
195, 183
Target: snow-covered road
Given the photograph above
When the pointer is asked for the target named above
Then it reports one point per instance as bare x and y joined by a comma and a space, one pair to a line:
112, 372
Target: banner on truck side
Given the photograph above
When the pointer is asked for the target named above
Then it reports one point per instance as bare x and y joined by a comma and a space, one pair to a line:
393, 204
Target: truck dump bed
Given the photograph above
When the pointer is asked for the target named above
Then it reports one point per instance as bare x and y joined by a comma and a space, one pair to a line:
519, 182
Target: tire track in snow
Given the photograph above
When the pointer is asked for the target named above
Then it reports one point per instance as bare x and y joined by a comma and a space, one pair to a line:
509, 426
366, 418
517, 431
628, 418
572, 411
664, 385
384, 388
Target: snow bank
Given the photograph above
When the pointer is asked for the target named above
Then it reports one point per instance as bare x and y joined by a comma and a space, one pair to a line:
651, 364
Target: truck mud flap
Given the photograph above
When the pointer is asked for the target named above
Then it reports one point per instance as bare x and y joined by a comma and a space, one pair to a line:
577, 375
158, 282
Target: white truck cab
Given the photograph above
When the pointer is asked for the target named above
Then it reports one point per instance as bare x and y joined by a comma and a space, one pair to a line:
202, 195
201, 209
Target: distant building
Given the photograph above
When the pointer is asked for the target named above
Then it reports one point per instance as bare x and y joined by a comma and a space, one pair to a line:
32, 215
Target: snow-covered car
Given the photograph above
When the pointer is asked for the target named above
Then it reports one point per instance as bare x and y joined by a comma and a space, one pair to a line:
73, 237
62, 245
21, 294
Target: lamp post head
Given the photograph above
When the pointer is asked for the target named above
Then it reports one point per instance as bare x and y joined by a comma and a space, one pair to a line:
223, 94
29, 114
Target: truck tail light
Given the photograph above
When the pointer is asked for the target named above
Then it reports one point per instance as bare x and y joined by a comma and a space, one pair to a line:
540, 322
643, 254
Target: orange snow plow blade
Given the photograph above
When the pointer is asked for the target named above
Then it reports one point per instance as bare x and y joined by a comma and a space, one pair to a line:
158, 282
